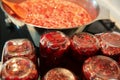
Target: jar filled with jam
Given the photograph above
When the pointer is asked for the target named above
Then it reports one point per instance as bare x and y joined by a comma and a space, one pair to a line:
84, 45
19, 48
53, 45
101, 68
59, 74
19, 69
110, 43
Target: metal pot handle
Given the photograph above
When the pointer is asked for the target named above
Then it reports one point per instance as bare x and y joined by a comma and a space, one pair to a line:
104, 12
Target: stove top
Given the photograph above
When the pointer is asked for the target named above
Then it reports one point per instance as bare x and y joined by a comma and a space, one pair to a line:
11, 31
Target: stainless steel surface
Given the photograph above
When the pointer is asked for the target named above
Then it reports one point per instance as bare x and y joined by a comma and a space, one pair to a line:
14, 20
90, 5
113, 7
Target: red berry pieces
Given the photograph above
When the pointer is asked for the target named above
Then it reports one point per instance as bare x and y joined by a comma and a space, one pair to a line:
19, 69
59, 74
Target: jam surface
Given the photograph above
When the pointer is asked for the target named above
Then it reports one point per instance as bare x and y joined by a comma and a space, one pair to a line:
53, 13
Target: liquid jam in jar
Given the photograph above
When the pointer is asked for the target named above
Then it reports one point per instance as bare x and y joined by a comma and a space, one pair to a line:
84, 45
110, 43
53, 45
59, 74
19, 48
101, 68
19, 69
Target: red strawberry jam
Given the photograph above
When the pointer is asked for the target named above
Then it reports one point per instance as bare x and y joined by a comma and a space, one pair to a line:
19, 48
19, 69
59, 74
84, 45
110, 43
101, 68
53, 14
52, 46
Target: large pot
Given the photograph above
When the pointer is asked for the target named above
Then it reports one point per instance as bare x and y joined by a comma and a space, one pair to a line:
91, 6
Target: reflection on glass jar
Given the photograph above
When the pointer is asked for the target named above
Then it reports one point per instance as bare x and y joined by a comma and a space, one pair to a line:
101, 68
110, 43
59, 74
19, 48
19, 69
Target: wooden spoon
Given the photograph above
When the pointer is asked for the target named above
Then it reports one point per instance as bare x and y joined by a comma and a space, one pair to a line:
22, 13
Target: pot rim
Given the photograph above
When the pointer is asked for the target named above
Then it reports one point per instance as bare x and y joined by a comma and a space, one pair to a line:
13, 19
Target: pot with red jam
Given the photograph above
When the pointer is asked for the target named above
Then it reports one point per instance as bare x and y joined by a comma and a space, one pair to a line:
59, 74
53, 45
101, 68
19, 48
84, 45
19, 69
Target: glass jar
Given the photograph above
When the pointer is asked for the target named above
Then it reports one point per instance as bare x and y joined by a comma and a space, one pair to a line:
110, 43
101, 68
84, 45
53, 45
19, 68
59, 74
19, 48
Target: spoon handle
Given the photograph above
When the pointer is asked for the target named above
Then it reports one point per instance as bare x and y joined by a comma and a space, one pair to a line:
18, 10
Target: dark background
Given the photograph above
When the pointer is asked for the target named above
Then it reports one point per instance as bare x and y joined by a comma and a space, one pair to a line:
10, 31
